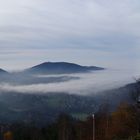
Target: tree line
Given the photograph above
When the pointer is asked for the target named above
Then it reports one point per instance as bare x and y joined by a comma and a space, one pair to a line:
121, 124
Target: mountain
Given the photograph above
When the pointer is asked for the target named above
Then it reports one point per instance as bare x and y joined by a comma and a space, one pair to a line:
3, 72
45, 108
61, 68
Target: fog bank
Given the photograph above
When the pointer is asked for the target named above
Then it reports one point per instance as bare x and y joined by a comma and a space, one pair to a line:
87, 83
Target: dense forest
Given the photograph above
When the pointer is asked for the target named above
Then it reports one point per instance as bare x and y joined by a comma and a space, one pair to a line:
122, 124
44, 109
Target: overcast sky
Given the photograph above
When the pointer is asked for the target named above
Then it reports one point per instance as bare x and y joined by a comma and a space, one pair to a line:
89, 32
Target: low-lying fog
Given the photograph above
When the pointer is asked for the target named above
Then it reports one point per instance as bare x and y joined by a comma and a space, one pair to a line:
84, 83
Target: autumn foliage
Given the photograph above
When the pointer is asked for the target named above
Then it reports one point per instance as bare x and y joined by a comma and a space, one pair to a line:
121, 124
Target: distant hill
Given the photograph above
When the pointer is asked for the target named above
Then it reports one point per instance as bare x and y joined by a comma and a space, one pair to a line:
3, 72
61, 68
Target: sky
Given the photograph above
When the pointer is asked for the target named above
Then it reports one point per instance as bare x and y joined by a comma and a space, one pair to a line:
88, 32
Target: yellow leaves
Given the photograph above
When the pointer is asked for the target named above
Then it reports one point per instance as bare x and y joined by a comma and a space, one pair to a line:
8, 135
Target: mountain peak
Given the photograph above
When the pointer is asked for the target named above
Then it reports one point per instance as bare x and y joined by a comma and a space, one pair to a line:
61, 68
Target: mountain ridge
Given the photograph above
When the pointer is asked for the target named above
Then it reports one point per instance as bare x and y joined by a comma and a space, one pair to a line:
61, 68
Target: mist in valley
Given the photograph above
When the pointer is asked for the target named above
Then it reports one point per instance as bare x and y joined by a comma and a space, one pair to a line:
79, 83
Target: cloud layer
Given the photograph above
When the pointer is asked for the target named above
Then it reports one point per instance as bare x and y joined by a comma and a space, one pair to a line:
90, 83
32, 31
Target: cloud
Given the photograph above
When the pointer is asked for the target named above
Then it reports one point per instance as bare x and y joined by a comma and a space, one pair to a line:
33, 31
30, 22
90, 83
19, 60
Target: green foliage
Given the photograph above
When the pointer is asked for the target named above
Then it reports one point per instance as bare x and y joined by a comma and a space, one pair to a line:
137, 137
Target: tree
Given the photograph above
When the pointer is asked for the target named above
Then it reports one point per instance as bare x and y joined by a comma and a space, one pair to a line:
124, 123
8, 135
102, 122
65, 127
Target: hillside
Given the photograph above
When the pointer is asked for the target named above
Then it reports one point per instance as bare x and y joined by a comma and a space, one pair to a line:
43, 109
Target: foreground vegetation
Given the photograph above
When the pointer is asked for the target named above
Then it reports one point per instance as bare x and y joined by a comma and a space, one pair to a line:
121, 124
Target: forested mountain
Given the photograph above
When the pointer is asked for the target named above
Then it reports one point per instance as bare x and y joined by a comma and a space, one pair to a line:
42, 109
